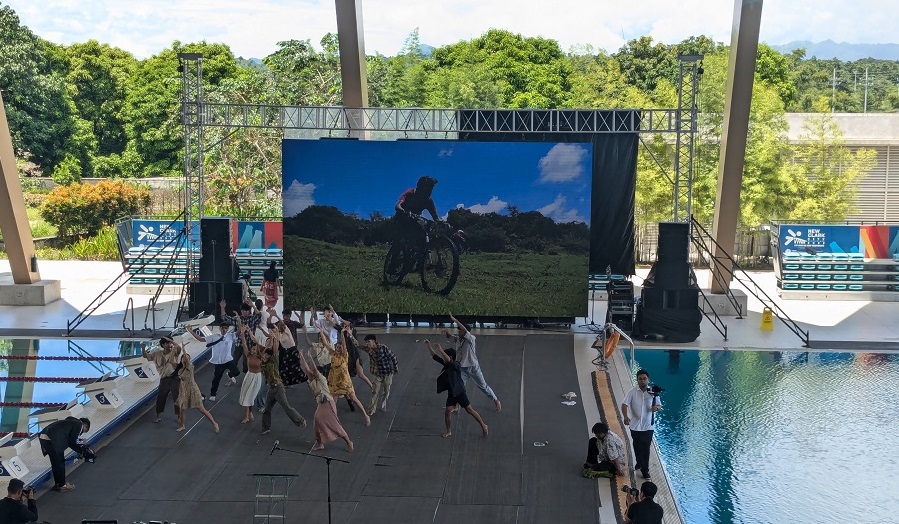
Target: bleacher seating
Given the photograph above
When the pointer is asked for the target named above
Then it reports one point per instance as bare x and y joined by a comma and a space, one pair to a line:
827, 272
157, 262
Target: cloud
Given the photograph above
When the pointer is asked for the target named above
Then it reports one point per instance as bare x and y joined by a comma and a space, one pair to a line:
556, 211
495, 205
298, 197
145, 27
563, 163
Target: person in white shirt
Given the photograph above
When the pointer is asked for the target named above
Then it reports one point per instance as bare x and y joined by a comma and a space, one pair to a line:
467, 357
638, 410
221, 356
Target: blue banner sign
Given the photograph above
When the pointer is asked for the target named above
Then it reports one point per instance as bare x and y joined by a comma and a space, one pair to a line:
813, 239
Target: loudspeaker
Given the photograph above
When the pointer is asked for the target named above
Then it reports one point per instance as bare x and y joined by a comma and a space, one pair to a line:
658, 298
674, 241
204, 296
216, 264
671, 274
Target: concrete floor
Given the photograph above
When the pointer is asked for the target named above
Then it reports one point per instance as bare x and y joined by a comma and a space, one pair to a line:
401, 470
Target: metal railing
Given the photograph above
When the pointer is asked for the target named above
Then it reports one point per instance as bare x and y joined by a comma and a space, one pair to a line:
733, 271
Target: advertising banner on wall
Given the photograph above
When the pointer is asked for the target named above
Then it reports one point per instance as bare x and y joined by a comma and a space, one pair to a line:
437, 226
871, 241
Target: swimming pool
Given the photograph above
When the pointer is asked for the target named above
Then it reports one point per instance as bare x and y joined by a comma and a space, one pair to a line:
768, 437
57, 364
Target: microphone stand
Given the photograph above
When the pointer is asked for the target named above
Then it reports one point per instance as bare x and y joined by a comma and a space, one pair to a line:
328, 461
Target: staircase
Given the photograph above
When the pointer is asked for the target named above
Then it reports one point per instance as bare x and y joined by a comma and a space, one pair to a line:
732, 271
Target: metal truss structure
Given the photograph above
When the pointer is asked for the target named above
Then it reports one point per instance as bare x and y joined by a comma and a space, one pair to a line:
196, 114
686, 124
192, 107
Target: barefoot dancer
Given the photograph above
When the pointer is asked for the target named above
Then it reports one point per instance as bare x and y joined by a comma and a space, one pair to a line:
276, 392
339, 382
189, 396
456, 394
252, 380
326, 425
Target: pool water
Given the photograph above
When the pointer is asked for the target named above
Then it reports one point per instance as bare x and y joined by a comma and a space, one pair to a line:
768, 437
61, 361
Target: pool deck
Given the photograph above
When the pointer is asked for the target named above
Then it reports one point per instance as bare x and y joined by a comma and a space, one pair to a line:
401, 469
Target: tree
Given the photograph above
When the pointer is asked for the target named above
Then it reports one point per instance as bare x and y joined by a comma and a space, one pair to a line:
98, 75
498, 69
38, 107
826, 171
306, 77
152, 105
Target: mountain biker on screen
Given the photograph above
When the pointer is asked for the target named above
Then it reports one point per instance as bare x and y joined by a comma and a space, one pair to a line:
411, 204
417, 199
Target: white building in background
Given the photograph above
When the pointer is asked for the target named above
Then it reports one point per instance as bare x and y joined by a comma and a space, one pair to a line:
878, 191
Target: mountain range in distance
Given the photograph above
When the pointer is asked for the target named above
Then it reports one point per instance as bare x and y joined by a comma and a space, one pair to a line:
842, 51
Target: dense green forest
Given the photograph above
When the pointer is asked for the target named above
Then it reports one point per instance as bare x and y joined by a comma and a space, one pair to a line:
92, 110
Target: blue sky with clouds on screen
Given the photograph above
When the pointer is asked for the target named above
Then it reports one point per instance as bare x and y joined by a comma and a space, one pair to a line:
368, 176
252, 29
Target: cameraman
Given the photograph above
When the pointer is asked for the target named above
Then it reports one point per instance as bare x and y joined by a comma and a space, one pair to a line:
642, 509
638, 409
55, 438
12, 510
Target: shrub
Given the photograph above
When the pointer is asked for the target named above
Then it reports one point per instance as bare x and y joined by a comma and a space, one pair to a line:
68, 171
85, 208
34, 199
102, 246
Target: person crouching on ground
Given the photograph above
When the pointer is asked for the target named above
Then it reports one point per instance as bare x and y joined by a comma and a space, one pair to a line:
605, 453
456, 394
54, 440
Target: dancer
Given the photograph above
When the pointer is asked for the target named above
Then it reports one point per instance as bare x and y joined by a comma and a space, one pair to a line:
189, 395
354, 365
326, 425
252, 381
464, 343
166, 360
383, 365
221, 355
339, 382
270, 285
289, 358
276, 392
456, 395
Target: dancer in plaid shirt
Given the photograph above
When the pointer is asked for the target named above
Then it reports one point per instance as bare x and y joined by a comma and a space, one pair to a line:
383, 367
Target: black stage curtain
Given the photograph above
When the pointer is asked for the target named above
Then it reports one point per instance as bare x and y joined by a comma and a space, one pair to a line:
614, 176
612, 203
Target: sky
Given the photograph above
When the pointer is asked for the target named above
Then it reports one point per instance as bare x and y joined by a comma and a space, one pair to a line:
366, 176
253, 29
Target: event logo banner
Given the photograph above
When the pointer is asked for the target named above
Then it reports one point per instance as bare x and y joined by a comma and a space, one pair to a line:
437, 226
874, 241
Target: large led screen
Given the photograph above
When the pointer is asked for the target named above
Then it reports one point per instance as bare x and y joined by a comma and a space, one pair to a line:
509, 235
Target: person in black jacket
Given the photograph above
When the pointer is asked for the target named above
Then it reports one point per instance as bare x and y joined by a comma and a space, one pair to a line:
55, 438
12, 511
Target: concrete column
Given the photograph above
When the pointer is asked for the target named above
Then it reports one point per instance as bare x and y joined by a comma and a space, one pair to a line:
738, 98
13, 219
353, 74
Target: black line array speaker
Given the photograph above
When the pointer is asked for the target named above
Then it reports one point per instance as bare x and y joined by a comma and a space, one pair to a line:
216, 264
671, 274
657, 298
204, 296
674, 241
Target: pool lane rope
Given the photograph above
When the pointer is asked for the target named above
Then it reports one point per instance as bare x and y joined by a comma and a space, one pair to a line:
38, 357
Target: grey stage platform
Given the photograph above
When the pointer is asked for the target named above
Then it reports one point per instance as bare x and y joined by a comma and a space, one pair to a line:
402, 471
